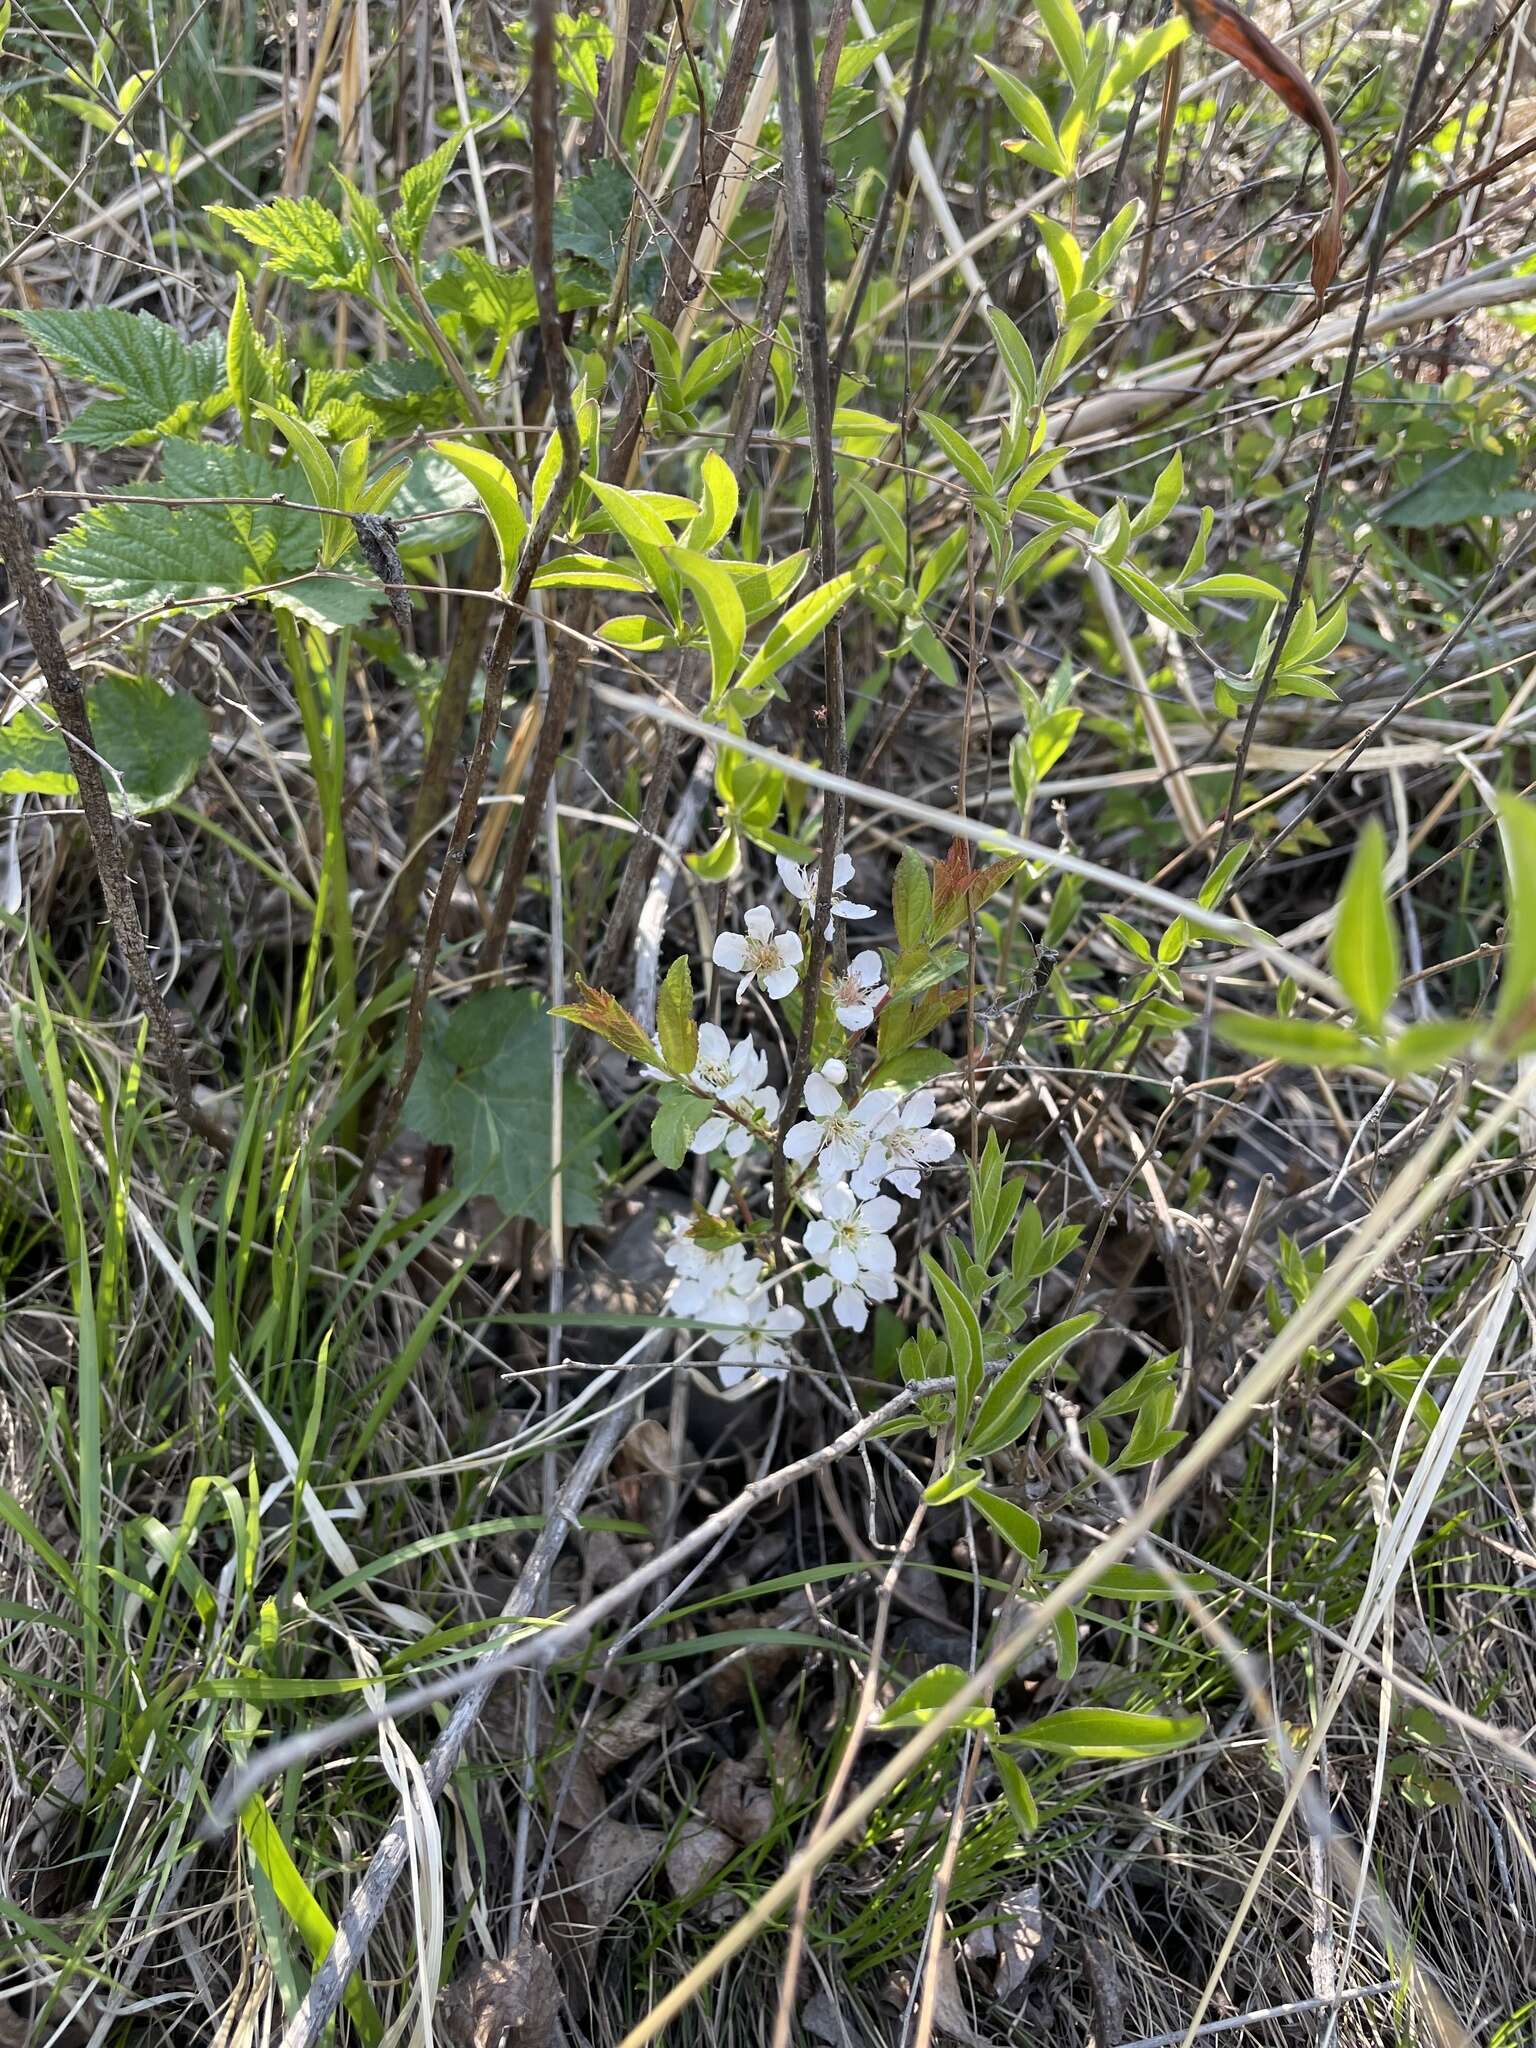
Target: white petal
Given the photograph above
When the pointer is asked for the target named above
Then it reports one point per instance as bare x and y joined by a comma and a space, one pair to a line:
714, 1046
842, 872
917, 1110
880, 1286
709, 1134
781, 983
817, 1289
731, 1374
795, 878
881, 1214
802, 1141
766, 1100
863, 1182
877, 1255
730, 952
850, 1309
843, 1265
840, 1158
818, 1238
843, 908
929, 1147
855, 1016
838, 1203
738, 1140
871, 1111
865, 967
791, 952
904, 1180
785, 1320
835, 1072
821, 1098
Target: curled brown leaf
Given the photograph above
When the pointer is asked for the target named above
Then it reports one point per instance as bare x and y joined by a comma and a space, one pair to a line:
1235, 36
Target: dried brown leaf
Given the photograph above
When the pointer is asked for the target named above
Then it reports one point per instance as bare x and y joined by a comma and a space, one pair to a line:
514, 2003
1023, 1939
610, 1863
1235, 36
700, 1853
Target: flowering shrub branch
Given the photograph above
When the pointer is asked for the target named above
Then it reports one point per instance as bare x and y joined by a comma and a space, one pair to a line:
867, 1131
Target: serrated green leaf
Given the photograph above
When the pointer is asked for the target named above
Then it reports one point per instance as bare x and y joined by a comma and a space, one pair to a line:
675, 1025
484, 1088
592, 214
133, 354
421, 188
303, 240
151, 742
679, 1116
137, 556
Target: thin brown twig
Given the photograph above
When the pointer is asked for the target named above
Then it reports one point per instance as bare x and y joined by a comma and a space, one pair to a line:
1380, 225
545, 114
805, 201
545, 141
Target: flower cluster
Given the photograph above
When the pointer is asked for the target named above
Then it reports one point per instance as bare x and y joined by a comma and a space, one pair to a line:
848, 1152
724, 1286
880, 1138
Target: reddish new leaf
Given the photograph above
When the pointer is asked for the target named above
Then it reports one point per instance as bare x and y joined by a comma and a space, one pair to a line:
599, 1012
1235, 36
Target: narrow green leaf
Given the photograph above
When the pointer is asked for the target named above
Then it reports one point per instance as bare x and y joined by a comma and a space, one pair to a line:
1005, 1406
1021, 1801
1016, 1525
917, 1704
1109, 1732
1364, 953
1515, 1014
962, 1333
497, 491
1295, 1039
721, 608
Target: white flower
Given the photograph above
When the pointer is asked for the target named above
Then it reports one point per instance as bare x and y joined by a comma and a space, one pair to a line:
762, 1105
773, 957
712, 1279
907, 1147
803, 883
849, 1241
724, 1070
756, 1344
855, 994
842, 1141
